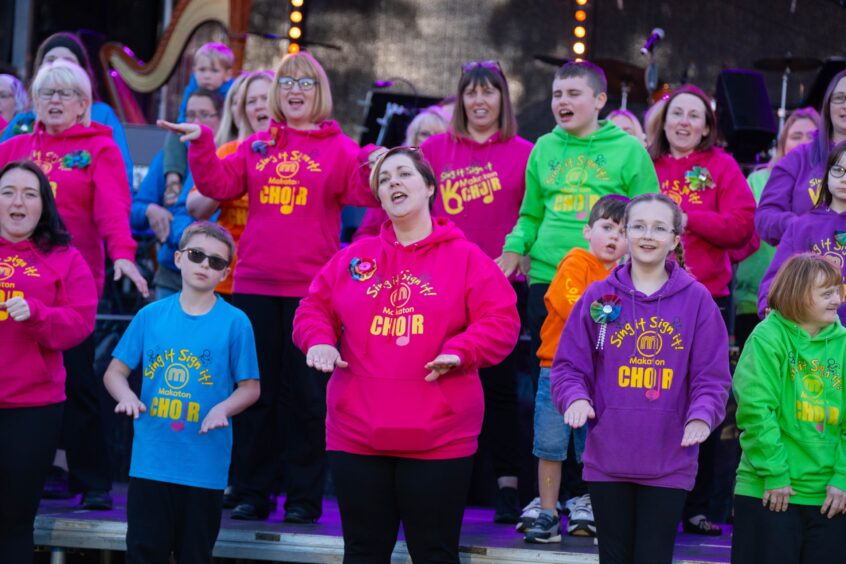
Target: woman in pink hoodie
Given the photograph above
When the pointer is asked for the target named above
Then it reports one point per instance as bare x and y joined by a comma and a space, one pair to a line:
719, 212
88, 176
298, 175
47, 305
403, 322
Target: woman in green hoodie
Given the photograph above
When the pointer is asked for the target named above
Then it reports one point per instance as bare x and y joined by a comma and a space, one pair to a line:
791, 483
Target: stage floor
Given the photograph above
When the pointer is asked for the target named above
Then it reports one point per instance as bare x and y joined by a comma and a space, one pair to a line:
61, 524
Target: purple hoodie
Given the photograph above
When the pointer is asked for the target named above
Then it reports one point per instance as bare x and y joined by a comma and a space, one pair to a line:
811, 233
792, 190
662, 363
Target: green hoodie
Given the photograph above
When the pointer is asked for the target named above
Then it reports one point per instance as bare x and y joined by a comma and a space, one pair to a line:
565, 176
790, 401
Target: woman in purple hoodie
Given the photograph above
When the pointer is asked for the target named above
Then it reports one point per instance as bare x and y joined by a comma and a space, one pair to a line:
795, 183
647, 361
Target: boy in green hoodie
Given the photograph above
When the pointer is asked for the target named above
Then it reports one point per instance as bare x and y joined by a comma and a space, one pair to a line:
791, 483
582, 159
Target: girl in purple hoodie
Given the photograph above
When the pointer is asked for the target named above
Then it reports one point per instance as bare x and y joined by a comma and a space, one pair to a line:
645, 358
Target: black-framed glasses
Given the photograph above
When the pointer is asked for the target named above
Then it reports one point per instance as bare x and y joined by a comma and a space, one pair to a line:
489, 64
65, 94
838, 98
288, 82
837, 171
197, 256
658, 232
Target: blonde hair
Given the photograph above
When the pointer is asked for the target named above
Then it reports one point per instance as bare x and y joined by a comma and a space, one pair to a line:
246, 128
228, 130
217, 53
306, 65
638, 129
792, 291
433, 117
809, 114
64, 74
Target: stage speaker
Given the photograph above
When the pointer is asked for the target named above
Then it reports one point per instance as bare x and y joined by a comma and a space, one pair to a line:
744, 113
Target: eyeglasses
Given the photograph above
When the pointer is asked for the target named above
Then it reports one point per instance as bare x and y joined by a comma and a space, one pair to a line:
658, 232
490, 65
191, 116
65, 94
288, 82
837, 171
6, 95
838, 98
198, 256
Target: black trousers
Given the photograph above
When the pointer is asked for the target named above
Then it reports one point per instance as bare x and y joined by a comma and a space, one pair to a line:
635, 524
28, 440
500, 427
376, 493
83, 430
536, 314
800, 535
163, 518
291, 412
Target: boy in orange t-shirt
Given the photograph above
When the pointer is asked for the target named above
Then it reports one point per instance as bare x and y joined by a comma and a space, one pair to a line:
576, 271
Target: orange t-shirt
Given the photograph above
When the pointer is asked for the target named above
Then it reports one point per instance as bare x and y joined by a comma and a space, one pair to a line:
576, 271
233, 216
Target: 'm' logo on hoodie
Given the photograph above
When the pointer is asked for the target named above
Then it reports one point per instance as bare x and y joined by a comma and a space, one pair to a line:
284, 190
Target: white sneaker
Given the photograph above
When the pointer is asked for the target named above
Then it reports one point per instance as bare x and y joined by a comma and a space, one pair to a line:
580, 522
530, 513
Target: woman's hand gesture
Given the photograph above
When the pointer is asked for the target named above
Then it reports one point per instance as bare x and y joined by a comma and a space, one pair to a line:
186, 131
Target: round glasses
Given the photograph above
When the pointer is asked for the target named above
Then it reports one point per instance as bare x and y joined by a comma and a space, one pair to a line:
837, 171
658, 232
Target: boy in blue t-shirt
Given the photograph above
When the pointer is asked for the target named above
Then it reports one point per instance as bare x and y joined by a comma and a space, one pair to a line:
195, 348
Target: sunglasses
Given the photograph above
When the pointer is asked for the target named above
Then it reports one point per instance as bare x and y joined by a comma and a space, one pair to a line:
490, 65
198, 256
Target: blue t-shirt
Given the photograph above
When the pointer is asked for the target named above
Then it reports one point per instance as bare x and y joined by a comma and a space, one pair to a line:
190, 364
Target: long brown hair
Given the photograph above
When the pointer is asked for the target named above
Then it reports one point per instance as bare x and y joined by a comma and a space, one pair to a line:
484, 72
661, 145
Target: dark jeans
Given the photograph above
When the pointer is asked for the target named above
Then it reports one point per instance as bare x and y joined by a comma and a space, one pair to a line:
376, 493
800, 535
163, 518
291, 412
500, 427
83, 430
28, 440
635, 524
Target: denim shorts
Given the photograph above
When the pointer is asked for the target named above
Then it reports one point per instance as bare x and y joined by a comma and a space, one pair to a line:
552, 435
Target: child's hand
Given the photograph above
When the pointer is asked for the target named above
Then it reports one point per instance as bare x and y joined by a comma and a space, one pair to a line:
508, 262
835, 502
578, 413
17, 308
186, 131
778, 498
216, 418
125, 267
442, 364
695, 432
131, 405
325, 358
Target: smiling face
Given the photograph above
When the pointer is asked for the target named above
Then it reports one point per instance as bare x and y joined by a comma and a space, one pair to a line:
825, 300
20, 204
650, 233
482, 104
64, 108
575, 106
801, 131
403, 192
838, 111
201, 277
685, 125
255, 104
296, 104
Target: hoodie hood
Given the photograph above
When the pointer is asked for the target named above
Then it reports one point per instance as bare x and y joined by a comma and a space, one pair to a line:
608, 132
443, 230
678, 281
78, 132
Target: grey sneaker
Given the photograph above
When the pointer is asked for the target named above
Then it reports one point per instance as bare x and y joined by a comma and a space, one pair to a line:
545, 529
530, 513
580, 522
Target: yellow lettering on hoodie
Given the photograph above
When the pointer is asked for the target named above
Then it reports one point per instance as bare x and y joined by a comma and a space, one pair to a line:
6, 295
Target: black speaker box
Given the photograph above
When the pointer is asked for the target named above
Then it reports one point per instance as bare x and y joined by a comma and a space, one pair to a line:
744, 114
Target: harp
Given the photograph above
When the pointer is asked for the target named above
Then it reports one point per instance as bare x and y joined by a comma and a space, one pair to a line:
125, 74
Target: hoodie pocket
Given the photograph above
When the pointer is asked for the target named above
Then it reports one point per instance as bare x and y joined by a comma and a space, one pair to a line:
400, 415
637, 443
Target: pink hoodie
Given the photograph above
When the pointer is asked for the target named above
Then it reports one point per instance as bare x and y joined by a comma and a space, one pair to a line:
720, 213
62, 299
394, 308
480, 187
93, 198
297, 182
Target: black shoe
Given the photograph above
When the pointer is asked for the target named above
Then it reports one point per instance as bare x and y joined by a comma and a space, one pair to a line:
246, 511
230, 498
56, 486
96, 499
507, 509
300, 516
702, 527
